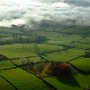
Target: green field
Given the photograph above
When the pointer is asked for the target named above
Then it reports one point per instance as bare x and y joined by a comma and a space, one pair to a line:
65, 55
82, 63
78, 83
4, 85
6, 65
30, 51
19, 78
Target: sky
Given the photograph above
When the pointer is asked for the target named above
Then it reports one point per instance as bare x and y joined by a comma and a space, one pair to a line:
36, 12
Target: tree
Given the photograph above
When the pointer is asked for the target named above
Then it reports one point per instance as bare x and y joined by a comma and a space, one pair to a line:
37, 50
61, 69
40, 39
87, 54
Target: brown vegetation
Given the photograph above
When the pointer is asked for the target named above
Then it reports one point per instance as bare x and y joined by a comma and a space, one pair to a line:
61, 69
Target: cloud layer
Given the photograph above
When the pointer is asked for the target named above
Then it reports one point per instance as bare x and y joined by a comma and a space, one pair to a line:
37, 12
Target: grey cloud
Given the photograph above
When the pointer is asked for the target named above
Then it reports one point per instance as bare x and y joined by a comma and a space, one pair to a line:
85, 3
37, 14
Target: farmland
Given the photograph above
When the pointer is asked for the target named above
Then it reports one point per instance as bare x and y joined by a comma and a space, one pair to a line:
28, 59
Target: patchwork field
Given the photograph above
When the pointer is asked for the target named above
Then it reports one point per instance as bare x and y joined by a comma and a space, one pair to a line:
28, 59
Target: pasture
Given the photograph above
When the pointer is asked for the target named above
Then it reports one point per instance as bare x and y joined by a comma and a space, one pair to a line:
38, 47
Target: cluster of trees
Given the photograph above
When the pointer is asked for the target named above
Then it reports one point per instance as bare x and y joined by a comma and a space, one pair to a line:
21, 27
87, 54
49, 68
30, 66
61, 69
40, 39
24, 39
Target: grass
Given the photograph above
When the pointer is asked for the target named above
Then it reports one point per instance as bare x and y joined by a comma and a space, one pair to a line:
25, 60
25, 50
59, 42
24, 80
47, 48
81, 46
59, 36
86, 40
19, 53
4, 85
6, 65
80, 81
83, 80
58, 85
16, 50
65, 55
82, 63
65, 39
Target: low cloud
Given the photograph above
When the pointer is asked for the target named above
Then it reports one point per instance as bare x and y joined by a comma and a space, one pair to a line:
37, 12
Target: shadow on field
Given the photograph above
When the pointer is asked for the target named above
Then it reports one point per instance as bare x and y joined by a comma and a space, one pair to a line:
3, 58
71, 81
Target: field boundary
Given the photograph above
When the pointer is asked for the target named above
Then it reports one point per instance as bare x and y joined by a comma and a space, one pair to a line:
9, 82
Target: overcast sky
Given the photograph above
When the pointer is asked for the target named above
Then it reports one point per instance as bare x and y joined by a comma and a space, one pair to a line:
36, 11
